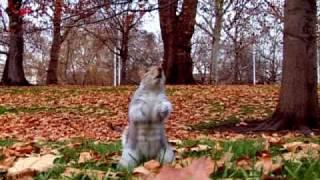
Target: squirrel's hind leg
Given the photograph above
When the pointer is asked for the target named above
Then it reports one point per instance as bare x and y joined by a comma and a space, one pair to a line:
129, 159
166, 155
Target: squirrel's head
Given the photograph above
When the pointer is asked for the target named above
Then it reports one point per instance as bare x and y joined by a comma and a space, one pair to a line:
154, 78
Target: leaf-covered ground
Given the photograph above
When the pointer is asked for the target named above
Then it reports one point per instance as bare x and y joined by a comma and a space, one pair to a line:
72, 132
101, 112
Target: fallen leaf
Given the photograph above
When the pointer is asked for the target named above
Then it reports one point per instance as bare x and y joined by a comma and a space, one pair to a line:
152, 165
244, 163
31, 165
142, 172
201, 147
266, 164
199, 169
225, 160
7, 163
84, 157
175, 141
99, 175
293, 146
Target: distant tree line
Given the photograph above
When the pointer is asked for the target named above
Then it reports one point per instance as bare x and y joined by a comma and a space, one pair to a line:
205, 41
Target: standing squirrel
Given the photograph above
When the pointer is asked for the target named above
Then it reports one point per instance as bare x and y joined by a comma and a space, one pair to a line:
144, 138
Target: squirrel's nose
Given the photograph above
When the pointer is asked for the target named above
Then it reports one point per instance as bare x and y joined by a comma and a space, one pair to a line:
159, 68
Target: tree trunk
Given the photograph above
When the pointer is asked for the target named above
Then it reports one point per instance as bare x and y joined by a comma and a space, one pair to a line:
124, 54
177, 31
216, 38
13, 72
236, 68
298, 105
52, 75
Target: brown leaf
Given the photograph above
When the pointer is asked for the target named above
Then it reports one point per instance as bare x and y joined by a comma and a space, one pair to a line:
199, 169
31, 165
152, 165
100, 175
266, 164
225, 160
200, 147
141, 171
24, 149
7, 163
244, 163
84, 157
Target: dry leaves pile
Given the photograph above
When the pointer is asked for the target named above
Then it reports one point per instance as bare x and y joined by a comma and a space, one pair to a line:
101, 112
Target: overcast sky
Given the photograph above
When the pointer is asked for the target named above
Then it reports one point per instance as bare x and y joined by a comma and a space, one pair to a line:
151, 22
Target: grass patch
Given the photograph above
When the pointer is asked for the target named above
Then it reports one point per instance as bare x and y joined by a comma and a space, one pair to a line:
31, 109
72, 153
216, 107
171, 91
247, 109
210, 152
211, 124
117, 89
234, 173
6, 142
241, 148
4, 110
306, 169
53, 173
72, 109
25, 90
102, 148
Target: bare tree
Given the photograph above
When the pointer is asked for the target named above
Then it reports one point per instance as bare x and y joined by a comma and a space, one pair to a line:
76, 13
212, 12
177, 28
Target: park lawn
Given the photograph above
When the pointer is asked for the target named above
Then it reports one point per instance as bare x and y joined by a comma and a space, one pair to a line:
82, 127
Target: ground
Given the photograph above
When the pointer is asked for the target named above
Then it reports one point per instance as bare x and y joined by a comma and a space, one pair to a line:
82, 125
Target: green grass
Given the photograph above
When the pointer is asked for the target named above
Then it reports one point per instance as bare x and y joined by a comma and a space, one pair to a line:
74, 109
249, 148
113, 89
211, 124
241, 148
4, 110
6, 142
70, 153
25, 90
210, 152
53, 173
247, 109
305, 170
217, 107
31, 109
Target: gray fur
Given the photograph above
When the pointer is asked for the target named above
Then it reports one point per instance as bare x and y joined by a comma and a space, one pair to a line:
144, 138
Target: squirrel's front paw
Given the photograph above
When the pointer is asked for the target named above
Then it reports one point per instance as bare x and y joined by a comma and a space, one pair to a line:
165, 110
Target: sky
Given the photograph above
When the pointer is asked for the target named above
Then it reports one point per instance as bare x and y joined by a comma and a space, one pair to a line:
151, 22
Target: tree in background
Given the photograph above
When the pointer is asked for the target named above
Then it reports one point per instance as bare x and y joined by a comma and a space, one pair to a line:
52, 77
298, 105
13, 71
76, 12
212, 12
177, 27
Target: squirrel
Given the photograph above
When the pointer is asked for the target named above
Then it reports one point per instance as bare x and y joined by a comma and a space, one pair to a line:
144, 138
